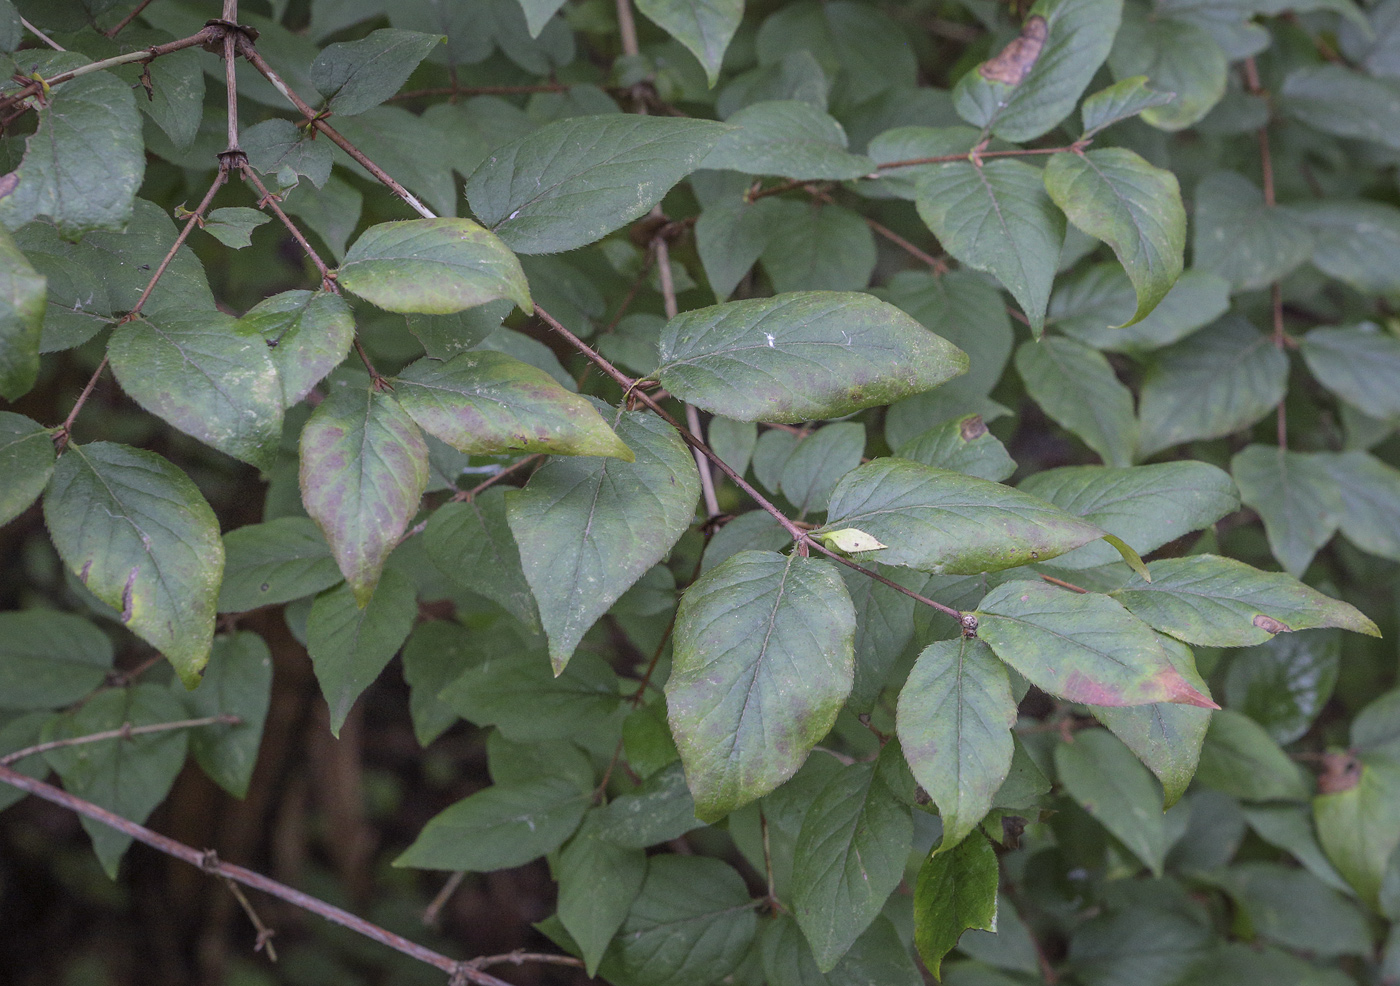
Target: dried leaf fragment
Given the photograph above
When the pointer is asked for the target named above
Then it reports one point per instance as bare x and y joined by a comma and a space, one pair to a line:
1014, 62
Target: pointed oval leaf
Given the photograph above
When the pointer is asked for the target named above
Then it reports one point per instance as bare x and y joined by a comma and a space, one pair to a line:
789, 138
26, 462
1116, 196
22, 301
350, 642
1180, 56
1083, 647
1370, 508
574, 181
996, 217
703, 26
763, 662
357, 75
1077, 388
954, 720
1087, 306
801, 356
1122, 100
1338, 100
432, 267
1359, 363
487, 403
364, 466
588, 528
1242, 239
1106, 779
1296, 497
207, 376
471, 543
1221, 602
956, 891
238, 681
947, 523
879, 955
276, 562
598, 881
139, 534
307, 334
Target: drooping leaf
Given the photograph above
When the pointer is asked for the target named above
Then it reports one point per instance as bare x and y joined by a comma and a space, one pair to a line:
947, 523
1241, 238
1241, 759
607, 520
486, 403
139, 535
357, 75
573, 181
1135, 208
705, 27
795, 357
1120, 101
1359, 364
307, 334
274, 562
956, 891
1296, 497
238, 681
598, 881
1221, 602
789, 138
50, 659
432, 267
996, 217
22, 301
1290, 828
763, 662
1077, 388
364, 466
1083, 647
26, 460
471, 543
955, 717
1106, 779
208, 376
350, 641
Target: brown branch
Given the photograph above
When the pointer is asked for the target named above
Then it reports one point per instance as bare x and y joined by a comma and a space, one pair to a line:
1063, 584
124, 731
264, 939
1255, 87
121, 24
270, 201
495, 477
975, 155
248, 878
433, 911
520, 957
965, 620
194, 218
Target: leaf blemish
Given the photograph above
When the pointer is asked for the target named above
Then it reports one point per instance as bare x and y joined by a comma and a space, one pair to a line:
127, 594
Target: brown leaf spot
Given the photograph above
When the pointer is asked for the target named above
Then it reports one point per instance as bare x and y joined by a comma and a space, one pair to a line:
972, 427
1340, 772
8, 183
127, 594
1271, 625
1014, 62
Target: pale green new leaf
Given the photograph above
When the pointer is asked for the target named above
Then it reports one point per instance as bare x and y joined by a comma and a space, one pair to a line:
1357, 826
233, 225
997, 218
280, 149
956, 891
1082, 647
762, 664
1359, 363
1220, 602
1116, 196
1296, 497
364, 466
954, 720
307, 333
22, 302
141, 537
1077, 388
1124, 99
801, 356
357, 75
432, 267
1106, 779
350, 641
789, 138
703, 26
588, 528
26, 460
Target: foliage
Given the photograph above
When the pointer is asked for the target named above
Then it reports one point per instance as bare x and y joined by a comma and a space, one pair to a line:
807, 629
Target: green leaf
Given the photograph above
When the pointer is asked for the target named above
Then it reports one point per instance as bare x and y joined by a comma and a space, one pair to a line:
733, 441
445, 336
139, 535
762, 664
691, 923
884, 627
1295, 909
731, 235
1283, 683
1220, 380
849, 857
1337, 100
1146, 506
996, 217
1370, 510
237, 682
350, 642
1165, 736
818, 247
911, 144
308, 334
1357, 242
82, 167
50, 659
608, 519
962, 445
357, 75
233, 226
435, 653
364, 466
206, 375
22, 301
598, 881
1290, 827
20, 733
432, 267
503, 826
1176, 55
879, 955
26, 460
1359, 364
485, 403
1221, 602
789, 138
1144, 945
1089, 305
818, 461
956, 891
1077, 388
947, 523
11, 28
332, 213
1241, 759
471, 543
574, 181
872, 52
1358, 826
127, 776
1083, 647
1296, 497
272, 563
1241, 238
795, 357
1120, 101
660, 810
1106, 779
280, 149
1116, 196
705, 27
955, 717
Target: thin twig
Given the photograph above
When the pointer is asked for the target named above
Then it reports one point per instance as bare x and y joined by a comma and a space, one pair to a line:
772, 899
247, 877
627, 28
121, 24
939, 266
264, 940
1078, 145
230, 74
966, 620
433, 911
190, 222
66, 429
495, 477
1063, 584
124, 731
270, 201
520, 957
42, 36
1255, 87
